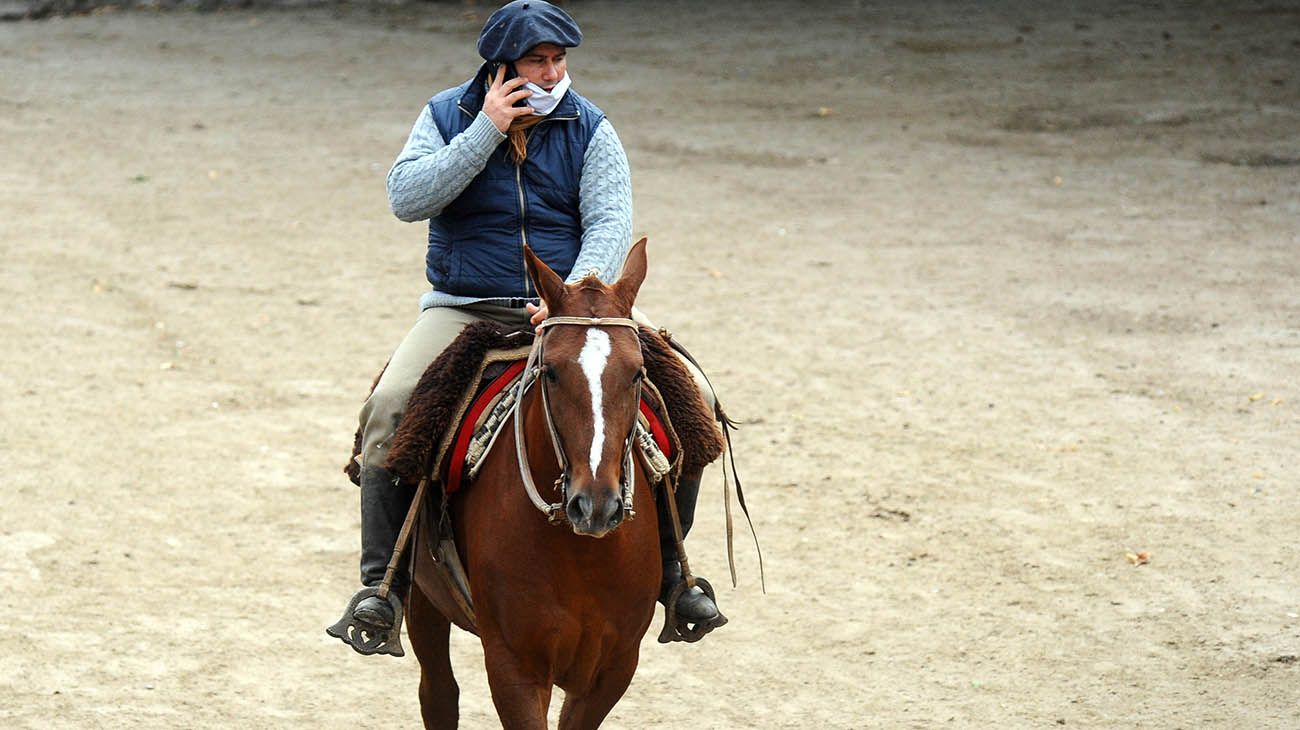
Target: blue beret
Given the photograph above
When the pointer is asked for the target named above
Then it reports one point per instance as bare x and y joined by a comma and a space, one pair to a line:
519, 26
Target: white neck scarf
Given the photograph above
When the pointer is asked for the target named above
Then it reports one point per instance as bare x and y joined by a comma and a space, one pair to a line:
544, 102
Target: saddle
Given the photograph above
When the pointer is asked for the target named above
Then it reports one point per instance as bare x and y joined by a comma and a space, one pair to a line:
463, 400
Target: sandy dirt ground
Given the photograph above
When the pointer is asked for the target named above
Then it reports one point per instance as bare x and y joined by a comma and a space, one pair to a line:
1004, 292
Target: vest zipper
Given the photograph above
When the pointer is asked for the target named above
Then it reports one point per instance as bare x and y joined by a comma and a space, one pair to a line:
523, 229
523, 207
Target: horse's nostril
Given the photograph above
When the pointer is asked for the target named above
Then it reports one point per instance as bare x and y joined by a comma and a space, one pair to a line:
608, 511
616, 518
579, 508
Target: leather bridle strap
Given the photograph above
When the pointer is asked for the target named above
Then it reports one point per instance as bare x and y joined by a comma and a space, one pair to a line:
590, 322
554, 511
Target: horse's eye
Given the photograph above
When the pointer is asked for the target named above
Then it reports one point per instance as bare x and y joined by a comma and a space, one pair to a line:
549, 372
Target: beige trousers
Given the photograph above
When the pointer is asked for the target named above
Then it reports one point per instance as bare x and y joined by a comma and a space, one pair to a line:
433, 331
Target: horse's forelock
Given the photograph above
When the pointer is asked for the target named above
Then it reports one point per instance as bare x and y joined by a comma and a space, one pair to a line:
591, 297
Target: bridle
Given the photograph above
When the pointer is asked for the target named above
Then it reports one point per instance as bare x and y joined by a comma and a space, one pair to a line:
555, 512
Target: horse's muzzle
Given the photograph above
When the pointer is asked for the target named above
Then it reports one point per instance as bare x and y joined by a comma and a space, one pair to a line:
594, 517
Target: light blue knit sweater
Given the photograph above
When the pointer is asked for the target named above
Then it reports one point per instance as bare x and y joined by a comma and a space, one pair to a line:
430, 173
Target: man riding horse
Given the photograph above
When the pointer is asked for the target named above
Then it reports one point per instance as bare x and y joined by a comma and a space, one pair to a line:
511, 157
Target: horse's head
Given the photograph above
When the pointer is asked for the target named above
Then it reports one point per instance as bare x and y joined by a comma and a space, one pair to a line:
591, 377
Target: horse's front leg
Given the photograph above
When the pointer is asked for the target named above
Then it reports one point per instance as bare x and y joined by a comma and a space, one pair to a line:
521, 694
587, 711
429, 632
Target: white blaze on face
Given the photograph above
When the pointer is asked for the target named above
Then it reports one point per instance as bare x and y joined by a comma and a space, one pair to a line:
593, 359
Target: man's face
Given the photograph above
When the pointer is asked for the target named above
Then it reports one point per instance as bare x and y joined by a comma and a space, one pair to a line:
544, 65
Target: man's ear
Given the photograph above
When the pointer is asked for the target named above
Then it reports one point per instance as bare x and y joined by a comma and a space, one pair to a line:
629, 282
548, 283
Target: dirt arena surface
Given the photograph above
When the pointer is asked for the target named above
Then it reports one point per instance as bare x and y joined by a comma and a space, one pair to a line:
1006, 293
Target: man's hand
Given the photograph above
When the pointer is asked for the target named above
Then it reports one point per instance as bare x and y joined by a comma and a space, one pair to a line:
500, 99
538, 314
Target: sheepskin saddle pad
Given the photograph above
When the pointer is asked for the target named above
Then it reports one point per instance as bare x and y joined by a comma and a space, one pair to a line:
463, 400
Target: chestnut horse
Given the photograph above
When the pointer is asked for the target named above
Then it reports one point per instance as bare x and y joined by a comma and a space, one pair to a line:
554, 606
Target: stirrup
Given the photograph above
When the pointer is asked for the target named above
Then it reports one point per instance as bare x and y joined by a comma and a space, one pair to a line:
679, 629
364, 638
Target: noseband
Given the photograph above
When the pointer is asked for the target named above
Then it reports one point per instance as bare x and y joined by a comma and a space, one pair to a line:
555, 512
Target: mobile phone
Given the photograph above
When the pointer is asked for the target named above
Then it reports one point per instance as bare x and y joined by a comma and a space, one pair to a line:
510, 74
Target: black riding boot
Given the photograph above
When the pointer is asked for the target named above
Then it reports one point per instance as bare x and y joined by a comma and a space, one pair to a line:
693, 605
384, 504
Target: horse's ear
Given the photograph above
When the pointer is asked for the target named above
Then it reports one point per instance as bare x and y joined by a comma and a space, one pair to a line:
548, 283
629, 282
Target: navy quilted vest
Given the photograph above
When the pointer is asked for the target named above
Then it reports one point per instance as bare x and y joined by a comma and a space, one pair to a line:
476, 243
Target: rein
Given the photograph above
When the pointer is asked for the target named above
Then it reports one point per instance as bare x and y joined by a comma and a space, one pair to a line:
555, 512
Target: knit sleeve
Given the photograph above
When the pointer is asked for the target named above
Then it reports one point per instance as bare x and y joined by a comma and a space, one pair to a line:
430, 173
605, 204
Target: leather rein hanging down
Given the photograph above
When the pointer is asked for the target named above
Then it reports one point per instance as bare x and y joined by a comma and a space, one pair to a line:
555, 512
